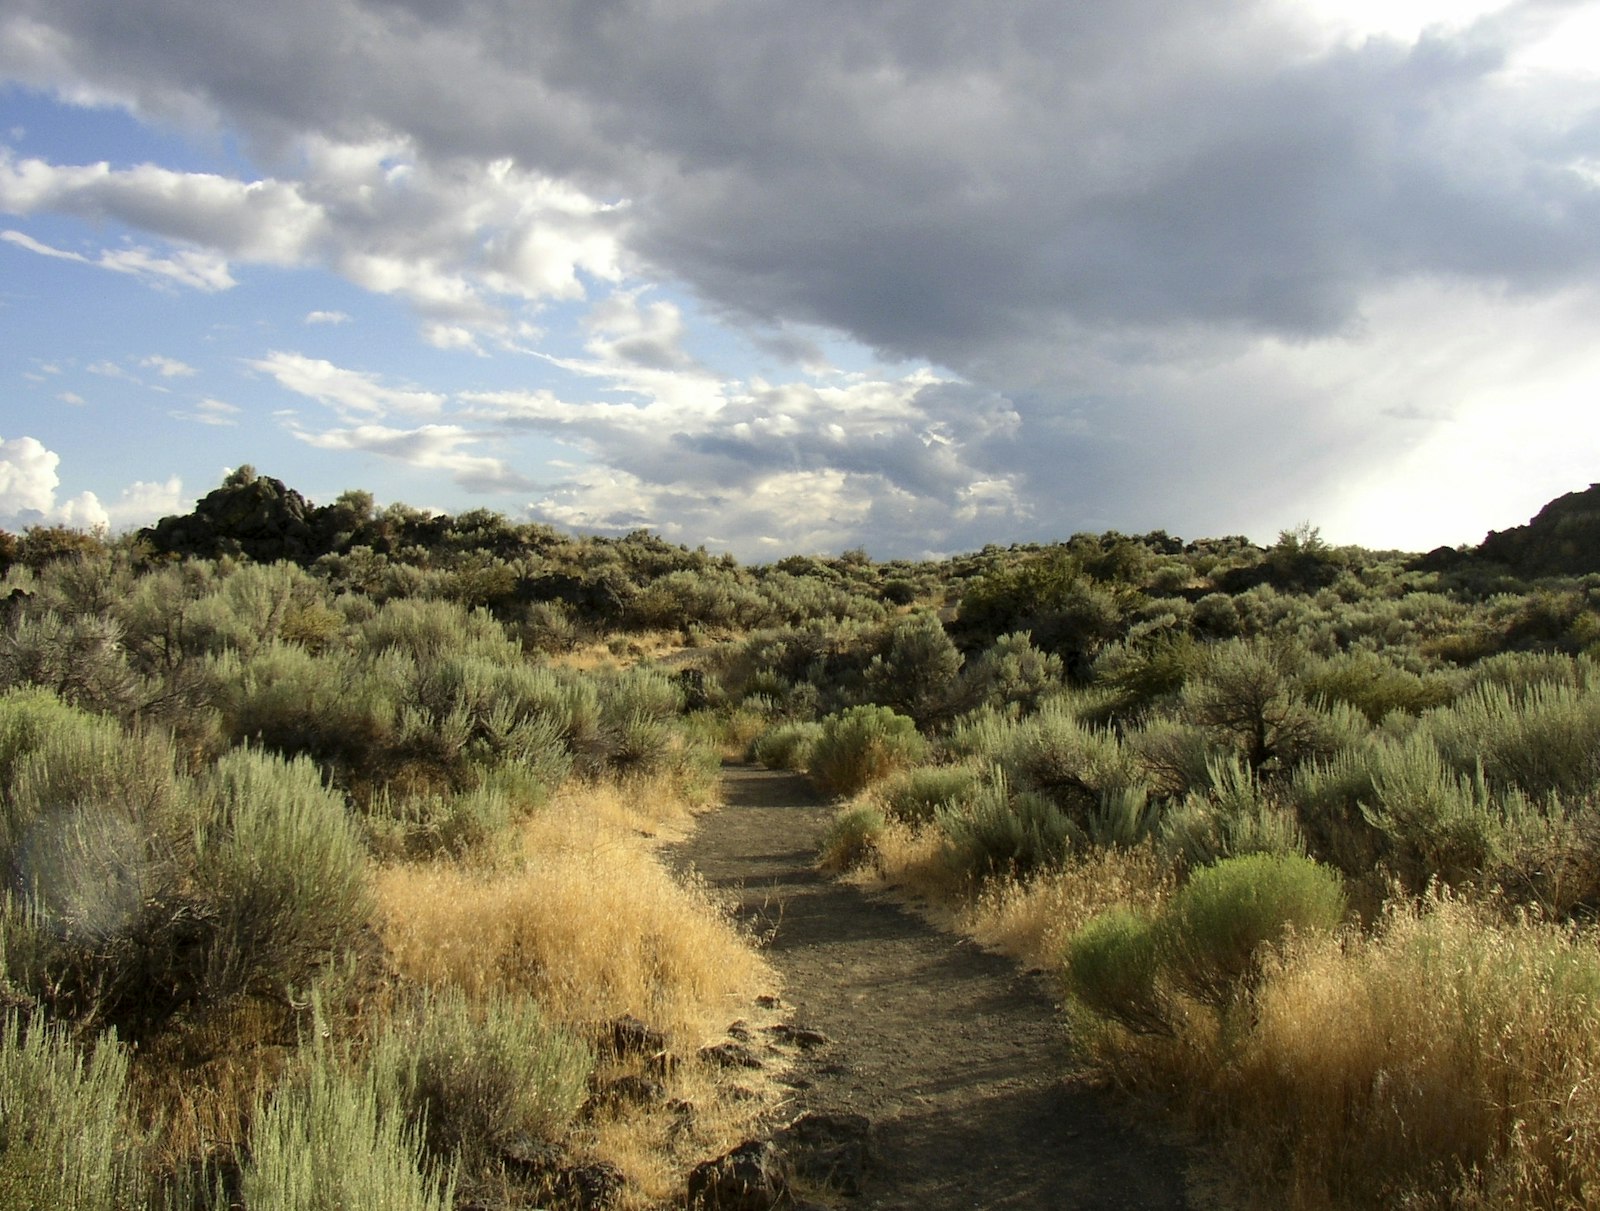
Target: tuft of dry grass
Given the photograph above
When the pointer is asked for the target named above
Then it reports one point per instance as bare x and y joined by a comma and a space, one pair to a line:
1027, 919
620, 652
193, 1086
1031, 921
586, 921
1450, 1060
912, 859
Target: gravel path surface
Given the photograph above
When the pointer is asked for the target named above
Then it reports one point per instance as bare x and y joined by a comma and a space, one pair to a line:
957, 1056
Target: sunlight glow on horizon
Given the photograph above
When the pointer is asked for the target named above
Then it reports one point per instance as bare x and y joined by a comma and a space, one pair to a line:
1570, 44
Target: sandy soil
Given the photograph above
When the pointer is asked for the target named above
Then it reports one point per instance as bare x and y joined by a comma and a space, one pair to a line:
956, 1055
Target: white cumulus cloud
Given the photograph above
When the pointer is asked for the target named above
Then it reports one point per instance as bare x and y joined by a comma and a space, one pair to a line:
29, 483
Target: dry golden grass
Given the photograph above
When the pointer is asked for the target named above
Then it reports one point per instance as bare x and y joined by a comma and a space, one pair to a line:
911, 861
654, 1146
1032, 921
193, 1086
733, 732
576, 912
1450, 1060
619, 652
586, 921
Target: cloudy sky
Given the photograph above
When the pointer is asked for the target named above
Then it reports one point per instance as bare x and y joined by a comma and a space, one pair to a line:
800, 275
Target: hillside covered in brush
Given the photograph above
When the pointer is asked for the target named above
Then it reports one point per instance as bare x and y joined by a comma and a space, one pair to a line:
326, 835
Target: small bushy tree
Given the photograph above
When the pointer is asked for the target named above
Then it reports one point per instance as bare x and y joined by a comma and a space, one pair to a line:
862, 745
917, 676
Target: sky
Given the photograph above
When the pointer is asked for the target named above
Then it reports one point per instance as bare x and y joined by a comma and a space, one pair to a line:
779, 276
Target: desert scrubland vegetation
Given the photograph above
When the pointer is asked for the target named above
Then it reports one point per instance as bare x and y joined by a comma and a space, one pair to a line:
327, 834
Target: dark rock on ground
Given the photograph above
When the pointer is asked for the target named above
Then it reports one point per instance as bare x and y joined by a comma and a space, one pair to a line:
753, 1177
628, 1036
684, 1114
829, 1149
628, 1090
799, 1036
729, 1055
528, 1159
590, 1187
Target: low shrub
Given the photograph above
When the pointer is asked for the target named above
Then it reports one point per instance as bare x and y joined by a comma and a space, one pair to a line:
1141, 674
283, 870
338, 709
550, 626
862, 745
1170, 755
917, 675
54, 757
852, 837
1055, 755
1126, 817
136, 891
1112, 968
332, 1138
1214, 929
425, 629
999, 833
1538, 739
64, 1141
1248, 697
484, 1077
103, 934
1376, 686
571, 703
79, 659
1331, 798
426, 825
1437, 823
787, 746
916, 796
1233, 816
1011, 673
94, 830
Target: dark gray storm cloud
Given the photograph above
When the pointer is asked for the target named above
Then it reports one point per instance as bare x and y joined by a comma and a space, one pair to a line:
926, 176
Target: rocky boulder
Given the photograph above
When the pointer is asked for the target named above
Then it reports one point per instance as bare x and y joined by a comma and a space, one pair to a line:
822, 1151
1563, 539
260, 518
753, 1177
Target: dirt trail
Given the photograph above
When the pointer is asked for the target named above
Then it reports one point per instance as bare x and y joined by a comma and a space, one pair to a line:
956, 1055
